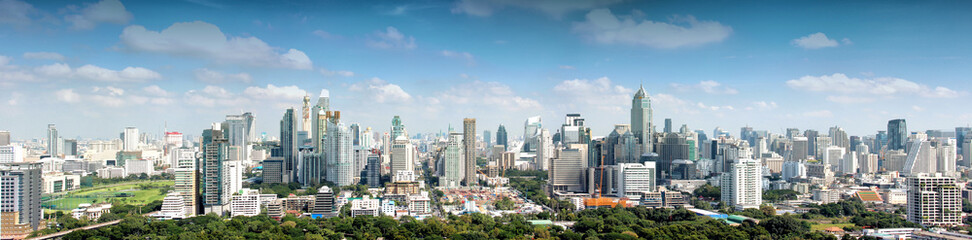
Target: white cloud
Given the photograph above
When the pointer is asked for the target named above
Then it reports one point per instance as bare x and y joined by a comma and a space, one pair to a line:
55, 70
67, 95
462, 55
816, 41
917, 108
554, 8
492, 95
14, 98
15, 12
764, 105
155, 90
205, 40
599, 94
216, 77
129, 74
341, 73
323, 34
108, 11
391, 38
819, 114
381, 91
849, 99
881, 86
710, 87
273, 92
567, 67
604, 27
44, 56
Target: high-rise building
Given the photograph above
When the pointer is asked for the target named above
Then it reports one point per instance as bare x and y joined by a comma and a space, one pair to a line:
374, 170
324, 204
186, 178
4, 138
214, 150
635, 178
641, 124
531, 133
800, 149
397, 129
402, 155
487, 140
545, 150
70, 147
934, 200
668, 125
960, 134
453, 158
811, 136
469, 149
319, 121
288, 144
249, 128
573, 129
311, 167
21, 186
273, 170
501, 137
355, 134
567, 170
130, 139
305, 115
11, 154
340, 152
897, 134
742, 186
52, 140
672, 147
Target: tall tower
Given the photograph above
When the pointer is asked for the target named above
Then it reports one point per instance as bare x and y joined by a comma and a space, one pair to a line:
130, 139
305, 115
288, 143
340, 152
641, 119
398, 128
501, 137
469, 143
52, 140
319, 121
897, 134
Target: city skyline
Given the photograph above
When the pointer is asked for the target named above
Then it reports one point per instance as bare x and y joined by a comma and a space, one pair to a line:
119, 64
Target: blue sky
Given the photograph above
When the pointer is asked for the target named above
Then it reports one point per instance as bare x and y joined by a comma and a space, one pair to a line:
94, 67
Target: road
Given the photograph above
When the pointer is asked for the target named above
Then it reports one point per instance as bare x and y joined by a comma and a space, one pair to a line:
96, 226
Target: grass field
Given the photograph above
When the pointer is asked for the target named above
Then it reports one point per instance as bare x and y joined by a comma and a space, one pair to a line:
135, 193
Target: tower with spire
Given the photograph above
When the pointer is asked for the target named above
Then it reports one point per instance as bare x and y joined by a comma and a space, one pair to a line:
641, 124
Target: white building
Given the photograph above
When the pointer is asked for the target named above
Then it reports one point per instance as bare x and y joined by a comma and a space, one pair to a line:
404, 176
635, 178
742, 185
173, 206
419, 204
139, 166
833, 155
825, 196
56, 182
849, 164
934, 200
402, 155
233, 175
11, 154
247, 204
340, 153
111, 172
90, 212
130, 139
567, 170
365, 206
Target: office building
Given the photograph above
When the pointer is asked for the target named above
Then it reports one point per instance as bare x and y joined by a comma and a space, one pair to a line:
173, 207
800, 148
897, 134
246, 204
742, 186
213, 189
487, 140
635, 178
339, 152
934, 200
469, 149
324, 204
402, 155
641, 124
138, 167
20, 199
319, 120
288, 145
186, 179
454, 160
130, 139
374, 170
501, 137
568, 170
52, 140
273, 169
11, 154
531, 133
311, 168
70, 147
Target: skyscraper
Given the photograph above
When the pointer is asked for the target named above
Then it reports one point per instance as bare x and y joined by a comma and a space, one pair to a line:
130, 139
668, 125
811, 141
960, 135
501, 137
397, 128
742, 186
897, 134
487, 140
20, 199
402, 155
340, 151
52, 140
453, 155
531, 132
374, 170
934, 200
305, 115
319, 121
215, 147
185, 178
641, 124
288, 144
469, 147
567, 170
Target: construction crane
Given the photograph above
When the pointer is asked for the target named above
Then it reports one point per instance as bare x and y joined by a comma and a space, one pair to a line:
600, 201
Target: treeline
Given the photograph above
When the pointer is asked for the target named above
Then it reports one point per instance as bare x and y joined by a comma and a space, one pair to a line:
605, 223
60, 221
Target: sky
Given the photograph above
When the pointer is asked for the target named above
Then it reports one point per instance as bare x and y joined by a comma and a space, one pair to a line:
95, 67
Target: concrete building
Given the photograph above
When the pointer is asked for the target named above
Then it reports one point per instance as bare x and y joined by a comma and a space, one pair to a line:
365, 206
825, 196
567, 170
11, 154
469, 150
246, 204
324, 204
340, 152
419, 204
20, 199
635, 178
129, 139
138, 167
173, 207
742, 186
934, 200
453, 157
273, 170
55, 182
402, 155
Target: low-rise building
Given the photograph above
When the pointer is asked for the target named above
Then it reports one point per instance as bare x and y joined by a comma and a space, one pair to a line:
173, 206
55, 182
365, 206
90, 212
420, 204
246, 204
